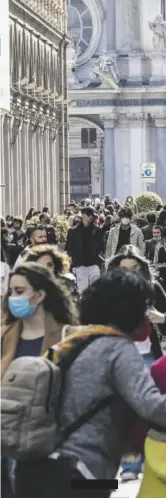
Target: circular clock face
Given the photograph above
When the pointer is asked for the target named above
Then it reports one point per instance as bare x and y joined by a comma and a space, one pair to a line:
80, 24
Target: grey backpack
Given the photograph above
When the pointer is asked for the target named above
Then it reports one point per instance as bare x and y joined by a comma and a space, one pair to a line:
31, 396
29, 400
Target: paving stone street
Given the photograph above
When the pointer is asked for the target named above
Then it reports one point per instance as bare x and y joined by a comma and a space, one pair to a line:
127, 490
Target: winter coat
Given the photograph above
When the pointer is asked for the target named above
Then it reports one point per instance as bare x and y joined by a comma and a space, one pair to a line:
136, 239
109, 366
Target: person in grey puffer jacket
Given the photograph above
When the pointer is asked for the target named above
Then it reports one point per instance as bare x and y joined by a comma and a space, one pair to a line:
110, 365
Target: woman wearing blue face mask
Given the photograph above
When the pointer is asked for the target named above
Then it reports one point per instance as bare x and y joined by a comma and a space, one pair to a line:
35, 310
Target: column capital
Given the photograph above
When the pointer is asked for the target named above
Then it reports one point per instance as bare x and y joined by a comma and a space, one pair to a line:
109, 120
160, 121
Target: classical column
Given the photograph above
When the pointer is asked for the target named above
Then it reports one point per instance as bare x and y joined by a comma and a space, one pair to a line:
66, 131
139, 151
109, 155
161, 157
2, 164
61, 134
7, 171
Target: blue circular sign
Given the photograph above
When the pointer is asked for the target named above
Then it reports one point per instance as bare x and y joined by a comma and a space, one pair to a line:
148, 172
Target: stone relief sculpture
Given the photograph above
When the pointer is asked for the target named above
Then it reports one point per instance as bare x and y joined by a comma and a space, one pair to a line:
158, 26
105, 68
72, 55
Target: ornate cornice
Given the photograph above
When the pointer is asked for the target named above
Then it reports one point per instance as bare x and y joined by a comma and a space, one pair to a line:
37, 115
26, 15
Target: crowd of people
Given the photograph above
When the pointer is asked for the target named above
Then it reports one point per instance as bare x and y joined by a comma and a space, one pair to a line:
97, 309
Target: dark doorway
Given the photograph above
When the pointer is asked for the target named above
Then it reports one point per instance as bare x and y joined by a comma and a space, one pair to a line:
80, 178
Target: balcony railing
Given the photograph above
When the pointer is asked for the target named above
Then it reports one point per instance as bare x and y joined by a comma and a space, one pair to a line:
53, 11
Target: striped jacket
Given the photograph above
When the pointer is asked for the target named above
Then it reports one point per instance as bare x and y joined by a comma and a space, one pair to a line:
136, 239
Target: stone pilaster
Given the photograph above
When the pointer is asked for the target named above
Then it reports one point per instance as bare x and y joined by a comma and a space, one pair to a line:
161, 156
109, 155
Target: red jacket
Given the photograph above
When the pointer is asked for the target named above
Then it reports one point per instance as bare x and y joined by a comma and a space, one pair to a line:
158, 372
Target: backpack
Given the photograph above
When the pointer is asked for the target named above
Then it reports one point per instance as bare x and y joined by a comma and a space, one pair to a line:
31, 393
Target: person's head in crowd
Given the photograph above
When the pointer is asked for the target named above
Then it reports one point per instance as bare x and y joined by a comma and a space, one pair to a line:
159, 207
9, 218
96, 219
30, 214
37, 235
56, 261
88, 215
116, 218
129, 257
3, 222
46, 210
101, 220
33, 289
102, 207
82, 203
6, 237
108, 221
164, 235
151, 218
76, 220
17, 223
44, 219
72, 206
87, 202
36, 213
140, 220
116, 205
129, 200
107, 200
68, 213
111, 209
120, 298
125, 215
157, 233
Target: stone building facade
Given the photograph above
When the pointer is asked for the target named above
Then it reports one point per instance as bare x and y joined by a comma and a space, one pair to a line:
34, 134
117, 87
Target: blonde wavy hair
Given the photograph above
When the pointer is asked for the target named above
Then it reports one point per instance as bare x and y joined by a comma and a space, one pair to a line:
61, 260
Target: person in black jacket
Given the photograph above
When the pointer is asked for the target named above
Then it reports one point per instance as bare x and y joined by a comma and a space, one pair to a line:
162, 217
50, 230
130, 258
162, 259
149, 348
10, 250
85, 246
148, 229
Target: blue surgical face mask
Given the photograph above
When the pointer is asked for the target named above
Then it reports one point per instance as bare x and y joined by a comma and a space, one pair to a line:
20, 307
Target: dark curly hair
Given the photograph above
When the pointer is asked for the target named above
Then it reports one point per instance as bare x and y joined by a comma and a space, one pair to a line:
120, 299
58, 300
131, 252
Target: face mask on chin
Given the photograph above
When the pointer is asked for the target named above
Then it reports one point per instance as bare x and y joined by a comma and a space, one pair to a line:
125, 221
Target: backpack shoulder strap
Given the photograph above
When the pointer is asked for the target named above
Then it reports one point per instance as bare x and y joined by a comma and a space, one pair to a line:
85, 417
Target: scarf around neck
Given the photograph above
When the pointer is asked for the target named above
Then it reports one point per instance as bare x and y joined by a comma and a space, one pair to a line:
69, 348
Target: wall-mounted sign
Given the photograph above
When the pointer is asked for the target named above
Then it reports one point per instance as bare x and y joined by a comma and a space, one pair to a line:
148, 172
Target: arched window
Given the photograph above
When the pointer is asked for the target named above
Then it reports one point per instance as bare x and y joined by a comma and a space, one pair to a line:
79, 24
84, 27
